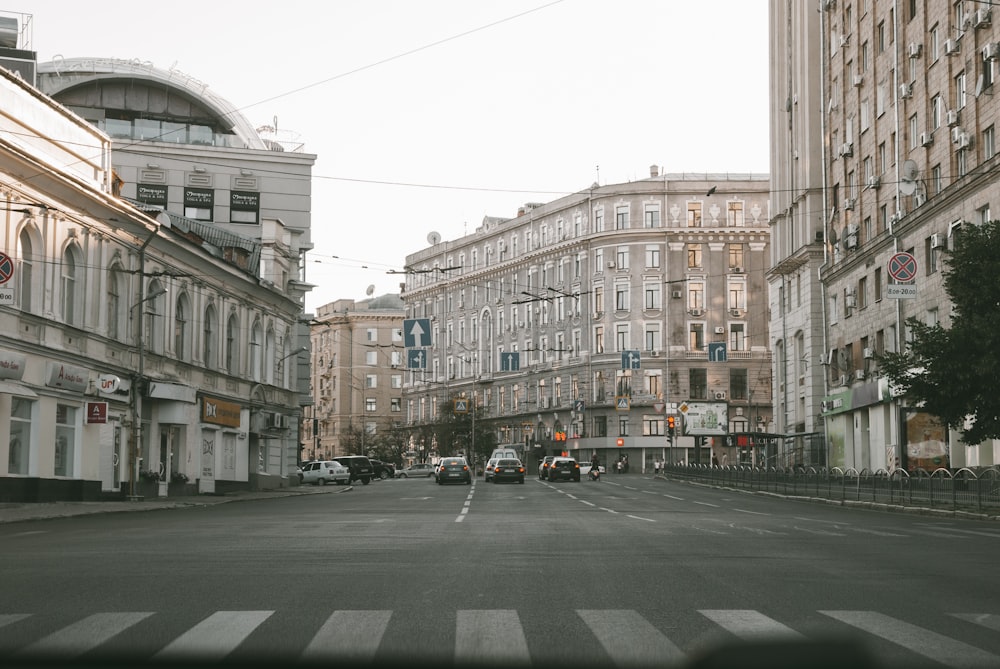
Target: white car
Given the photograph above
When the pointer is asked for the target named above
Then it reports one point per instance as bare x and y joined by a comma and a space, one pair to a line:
586, 466
326, 471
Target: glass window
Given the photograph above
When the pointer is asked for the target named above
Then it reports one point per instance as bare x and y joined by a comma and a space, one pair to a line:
738, 384
18, 455
694, 255
652, 256
698, 381
694, 214
652, 217
621, 218
652, 296
64, 460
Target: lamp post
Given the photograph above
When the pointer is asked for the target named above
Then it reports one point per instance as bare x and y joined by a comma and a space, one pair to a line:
138, 388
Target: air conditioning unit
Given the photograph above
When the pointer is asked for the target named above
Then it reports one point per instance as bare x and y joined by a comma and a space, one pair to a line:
858, 80
991, 51
847, 149
848, 203
926, 138
868, 353
277, 421
720, 330
964, 140
735, 313
951, 47
859, 374
914, 49
905, 90
981, 19
736, 270
654, 354
696, 312
874, 182
676, 294
611, 264
938, 241
598, 315
952, 117
843, 379
720, 394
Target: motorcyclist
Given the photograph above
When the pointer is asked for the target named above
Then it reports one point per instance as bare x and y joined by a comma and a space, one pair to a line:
595, 468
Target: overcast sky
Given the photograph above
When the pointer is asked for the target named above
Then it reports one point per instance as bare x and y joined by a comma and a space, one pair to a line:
427, 115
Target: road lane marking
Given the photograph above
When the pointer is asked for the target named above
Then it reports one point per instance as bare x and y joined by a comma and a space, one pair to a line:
587, 503
920, 640
878, 533
748, 625
714, 506
493, 636
988, 620
629, 639
604, 508
648, 520
679, 499
84, 635
819, 532
214, 637
756, 513
349, 635
8, 618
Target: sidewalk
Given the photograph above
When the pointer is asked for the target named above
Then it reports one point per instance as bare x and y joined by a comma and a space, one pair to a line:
14, 512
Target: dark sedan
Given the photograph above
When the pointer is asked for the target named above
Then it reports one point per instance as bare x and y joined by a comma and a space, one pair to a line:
454, 470
508, 470
564, 469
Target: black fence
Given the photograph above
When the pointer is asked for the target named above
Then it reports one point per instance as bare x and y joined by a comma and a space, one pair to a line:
955, 490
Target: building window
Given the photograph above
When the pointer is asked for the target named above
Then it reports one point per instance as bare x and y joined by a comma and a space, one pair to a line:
19, 450
698, 381
599, 339
734, 214
862, 292
598, 220
652, 217
396, 404
621, 257
736, 255
738, 384
696, 336
181, 327
737, 337
652, 296
653, 256
621, 297
652, 336
623, 426
937, 184
116, 284
989, 143
600, 426
696, 295
232, 349
652, 425
694, 255
598, 262
371, 358
371, 381
621, 218
621, 337
737, 295
694, 214
70, 286
208, 338
960, 90
371, 404
877, 284
64, 462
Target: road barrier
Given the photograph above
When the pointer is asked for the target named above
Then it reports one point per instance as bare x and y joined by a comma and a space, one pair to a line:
962, 489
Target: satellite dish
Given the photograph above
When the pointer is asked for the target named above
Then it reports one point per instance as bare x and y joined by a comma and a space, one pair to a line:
433, 238
908, 178
370, 291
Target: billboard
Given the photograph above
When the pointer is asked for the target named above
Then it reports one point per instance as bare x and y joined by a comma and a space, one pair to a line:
705, 418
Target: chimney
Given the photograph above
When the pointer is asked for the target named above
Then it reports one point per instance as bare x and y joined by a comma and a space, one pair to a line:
654, 170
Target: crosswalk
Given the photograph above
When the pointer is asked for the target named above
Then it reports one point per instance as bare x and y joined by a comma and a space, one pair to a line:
626, 637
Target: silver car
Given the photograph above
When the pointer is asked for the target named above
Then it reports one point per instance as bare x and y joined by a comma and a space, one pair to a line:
326, 471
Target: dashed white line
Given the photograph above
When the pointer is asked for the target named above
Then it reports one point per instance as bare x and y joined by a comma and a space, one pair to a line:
756, 513
714, 506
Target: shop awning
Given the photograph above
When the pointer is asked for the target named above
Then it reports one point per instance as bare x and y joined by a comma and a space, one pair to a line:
14, 388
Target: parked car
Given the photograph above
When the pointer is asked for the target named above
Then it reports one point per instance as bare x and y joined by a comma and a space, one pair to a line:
508, 469
360, 467
544, 465
383, 470
326, 471
454, 470
564, 469
419, 469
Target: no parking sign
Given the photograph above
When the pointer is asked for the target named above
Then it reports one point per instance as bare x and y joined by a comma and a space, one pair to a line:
6, 272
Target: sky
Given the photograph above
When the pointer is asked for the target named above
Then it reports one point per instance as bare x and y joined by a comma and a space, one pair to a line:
428, 115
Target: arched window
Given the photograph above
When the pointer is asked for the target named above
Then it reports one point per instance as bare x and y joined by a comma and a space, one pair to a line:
232, 344
256, 350
26, 281
113, 302
208, 343
182, 329
71, 285
269, 353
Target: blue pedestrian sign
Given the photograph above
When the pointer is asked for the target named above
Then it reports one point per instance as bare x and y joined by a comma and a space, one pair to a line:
630, 359
461, 406
510, 361
416, 358
416, 332
717, 351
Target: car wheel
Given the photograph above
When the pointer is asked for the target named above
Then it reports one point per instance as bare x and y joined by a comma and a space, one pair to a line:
402, 476
366, 480
321, 481
384, 475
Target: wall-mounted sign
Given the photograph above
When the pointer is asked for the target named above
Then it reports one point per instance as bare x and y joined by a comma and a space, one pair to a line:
67, 377
220, 412
97, 412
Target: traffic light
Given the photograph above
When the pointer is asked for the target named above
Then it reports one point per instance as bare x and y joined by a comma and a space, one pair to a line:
671, 425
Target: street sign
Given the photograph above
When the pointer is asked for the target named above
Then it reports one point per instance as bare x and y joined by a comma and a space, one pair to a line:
903, 267
6, 268
510, 361
630, 359
461, 406
659, 406
717, 351
416, 332
622, 403
578, 406
416, 358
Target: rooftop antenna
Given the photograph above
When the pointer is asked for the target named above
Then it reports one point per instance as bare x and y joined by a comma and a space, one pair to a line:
371, 290
598, 168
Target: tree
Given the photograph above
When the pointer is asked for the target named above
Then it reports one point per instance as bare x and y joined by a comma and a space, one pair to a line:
953, 372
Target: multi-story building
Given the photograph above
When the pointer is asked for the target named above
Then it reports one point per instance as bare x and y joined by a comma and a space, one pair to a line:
906, 121
586, 323
148, 332
357, 380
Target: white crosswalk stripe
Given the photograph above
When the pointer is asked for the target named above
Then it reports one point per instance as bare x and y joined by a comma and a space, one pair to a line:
349, 635
214, 637
483, 636
920, 640
84, 635
749, 624
490, 636
629, 639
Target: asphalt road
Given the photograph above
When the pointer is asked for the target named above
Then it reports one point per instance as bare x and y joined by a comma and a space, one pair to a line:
630, 571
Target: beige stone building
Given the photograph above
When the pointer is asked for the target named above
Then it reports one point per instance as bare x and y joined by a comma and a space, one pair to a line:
884, 135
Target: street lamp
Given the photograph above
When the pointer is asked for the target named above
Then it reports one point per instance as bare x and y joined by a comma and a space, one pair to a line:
139, 386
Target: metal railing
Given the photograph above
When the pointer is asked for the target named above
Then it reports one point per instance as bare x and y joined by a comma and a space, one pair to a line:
962, 489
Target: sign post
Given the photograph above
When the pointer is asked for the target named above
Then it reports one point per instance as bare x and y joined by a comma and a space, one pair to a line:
902, 273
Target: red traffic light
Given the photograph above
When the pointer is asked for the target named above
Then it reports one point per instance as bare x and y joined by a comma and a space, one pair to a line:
621, 442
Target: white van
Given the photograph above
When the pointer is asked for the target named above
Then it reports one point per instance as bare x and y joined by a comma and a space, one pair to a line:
497, 455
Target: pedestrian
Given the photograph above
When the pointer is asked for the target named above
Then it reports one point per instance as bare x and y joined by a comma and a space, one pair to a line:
656, 467
620, 465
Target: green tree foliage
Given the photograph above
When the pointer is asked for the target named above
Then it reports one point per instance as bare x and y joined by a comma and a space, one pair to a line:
953, 372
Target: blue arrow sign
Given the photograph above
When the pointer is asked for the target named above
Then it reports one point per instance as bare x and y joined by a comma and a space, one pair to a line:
416, 332
578, 406
717, 351
630, 359
416, 358
510, 361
